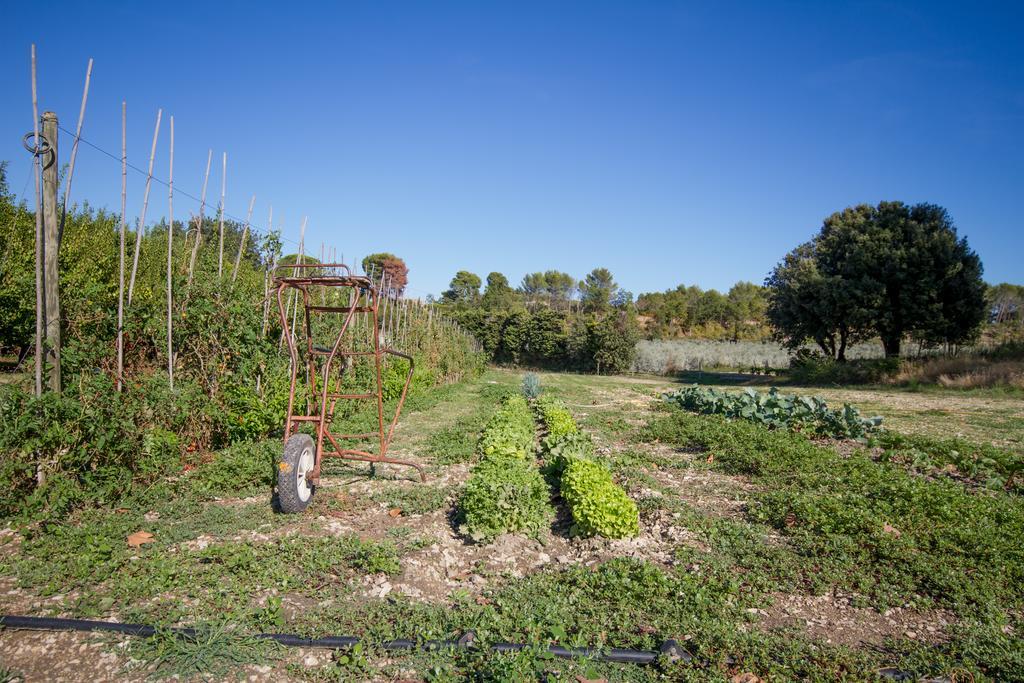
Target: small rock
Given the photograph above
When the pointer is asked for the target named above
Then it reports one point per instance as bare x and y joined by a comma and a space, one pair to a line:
310, 660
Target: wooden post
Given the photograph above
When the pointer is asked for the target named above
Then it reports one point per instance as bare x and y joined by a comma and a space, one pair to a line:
223, 189
241, 245
142, 216
170, 247
39, 233
120, 253
199, 223
51, 251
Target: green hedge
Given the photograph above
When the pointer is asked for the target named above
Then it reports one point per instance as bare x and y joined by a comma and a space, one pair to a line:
506, 492
599, 506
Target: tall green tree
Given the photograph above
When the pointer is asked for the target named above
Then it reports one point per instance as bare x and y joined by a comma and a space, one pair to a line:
804, 304
893, 270
498, 295
597, 289
559, 287
463, 289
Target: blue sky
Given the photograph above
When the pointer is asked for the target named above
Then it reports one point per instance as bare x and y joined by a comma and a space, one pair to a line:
670, 142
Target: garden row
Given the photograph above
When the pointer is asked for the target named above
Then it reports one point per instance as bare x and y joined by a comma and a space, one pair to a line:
507, 492
775, 410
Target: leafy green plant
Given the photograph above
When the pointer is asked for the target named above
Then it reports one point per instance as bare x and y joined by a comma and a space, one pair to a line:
504, 494
556, 418
599, 506
776, 410
561, 451
506, 491
510, 432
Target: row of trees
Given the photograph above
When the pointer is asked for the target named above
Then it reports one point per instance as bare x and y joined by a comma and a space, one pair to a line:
706, 314
551, 320
552, 289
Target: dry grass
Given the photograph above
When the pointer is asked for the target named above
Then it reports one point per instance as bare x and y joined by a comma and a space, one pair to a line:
962, 373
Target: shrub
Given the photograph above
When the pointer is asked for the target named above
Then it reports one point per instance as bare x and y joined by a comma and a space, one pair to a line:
775, 410
505, 494
813, 368
599, 506
531, 385
57, 451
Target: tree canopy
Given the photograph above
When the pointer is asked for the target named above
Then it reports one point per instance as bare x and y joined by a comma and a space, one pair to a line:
463, 289
396, 273
890, 271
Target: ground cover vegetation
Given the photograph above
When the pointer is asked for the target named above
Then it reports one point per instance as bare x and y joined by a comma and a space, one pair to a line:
763, 552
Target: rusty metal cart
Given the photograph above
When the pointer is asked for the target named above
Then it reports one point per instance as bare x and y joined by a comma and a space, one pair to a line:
325, 369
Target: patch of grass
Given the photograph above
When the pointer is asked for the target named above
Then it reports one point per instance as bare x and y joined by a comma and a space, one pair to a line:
457, 443
10, 675
417, 499
213, 652
981, 464
241, 470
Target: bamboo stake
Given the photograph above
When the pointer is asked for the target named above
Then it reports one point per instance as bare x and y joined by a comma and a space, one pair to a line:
170, 246
39, 232
120, 254
270, 276
223, 189
74, 149
241, 245
199, 223
302, 254
145, 202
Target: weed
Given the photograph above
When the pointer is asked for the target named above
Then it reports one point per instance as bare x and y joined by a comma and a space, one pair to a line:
212, 652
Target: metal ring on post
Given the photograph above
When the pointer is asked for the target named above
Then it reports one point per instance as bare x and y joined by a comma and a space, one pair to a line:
39, 149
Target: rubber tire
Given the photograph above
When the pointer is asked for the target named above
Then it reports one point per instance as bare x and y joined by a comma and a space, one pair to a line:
289, 497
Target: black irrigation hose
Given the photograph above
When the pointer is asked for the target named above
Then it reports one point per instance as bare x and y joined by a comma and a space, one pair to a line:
670, 649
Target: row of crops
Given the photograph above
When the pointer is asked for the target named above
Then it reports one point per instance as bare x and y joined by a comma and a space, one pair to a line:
772, 409
507, 490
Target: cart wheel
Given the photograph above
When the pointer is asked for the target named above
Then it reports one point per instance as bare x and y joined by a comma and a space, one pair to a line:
293, 490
